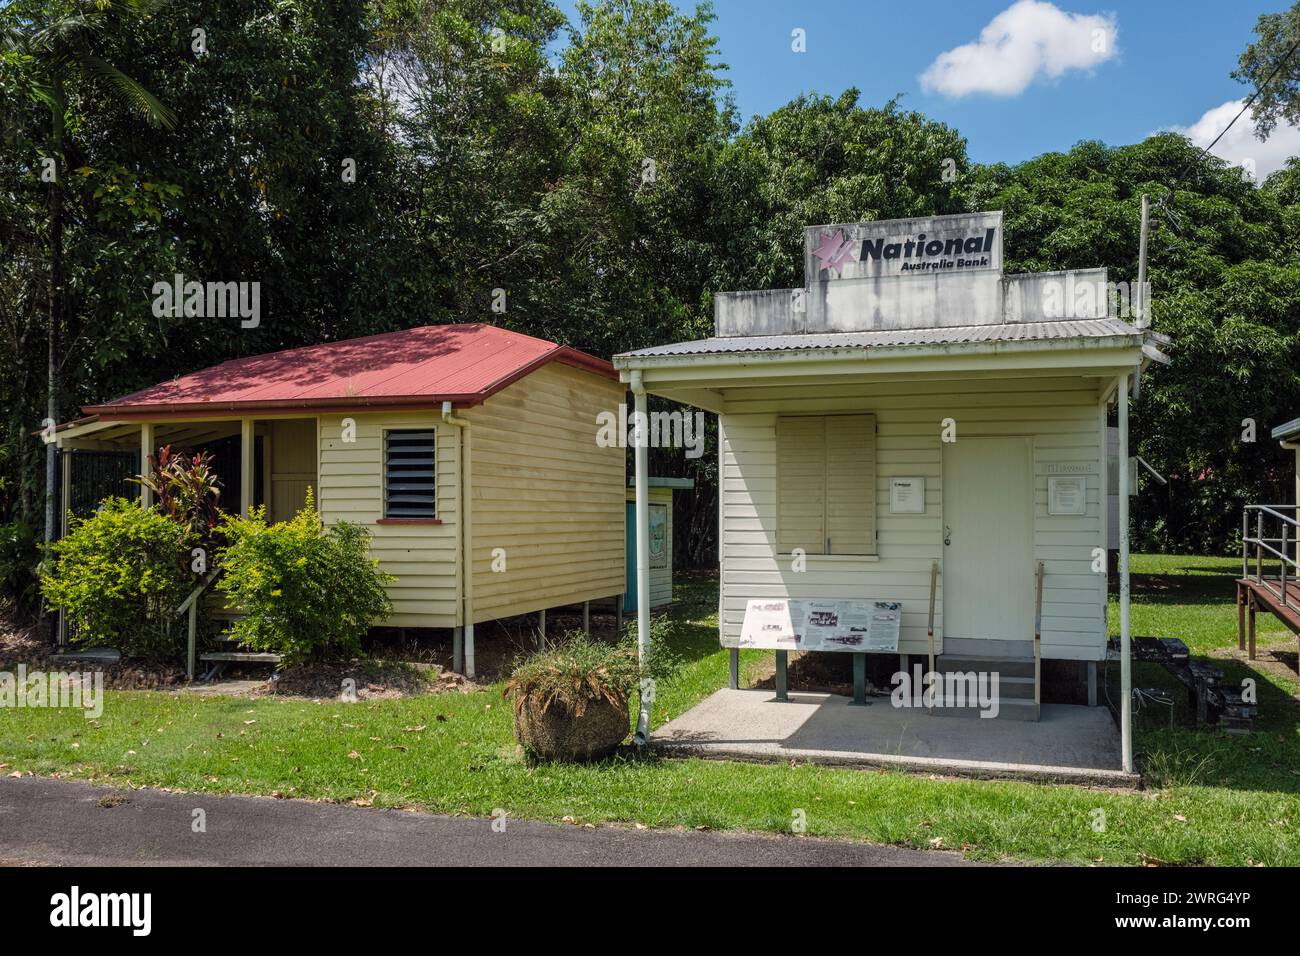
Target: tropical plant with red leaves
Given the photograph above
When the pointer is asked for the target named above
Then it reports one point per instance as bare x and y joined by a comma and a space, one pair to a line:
187, 490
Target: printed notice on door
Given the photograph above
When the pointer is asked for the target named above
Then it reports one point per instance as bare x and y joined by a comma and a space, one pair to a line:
817, 625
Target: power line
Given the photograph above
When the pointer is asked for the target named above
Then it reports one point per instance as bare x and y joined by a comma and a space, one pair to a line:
1247, 105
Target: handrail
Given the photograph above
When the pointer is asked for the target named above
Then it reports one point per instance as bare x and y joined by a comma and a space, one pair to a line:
1038, 635
934, 574
203, 584
191, 604
1262, 544
1272, 510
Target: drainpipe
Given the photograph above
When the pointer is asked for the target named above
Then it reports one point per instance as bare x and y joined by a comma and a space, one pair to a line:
1125, 667
640, 443
466, 534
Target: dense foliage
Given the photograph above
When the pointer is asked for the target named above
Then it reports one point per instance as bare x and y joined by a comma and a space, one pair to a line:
119, 576
400, 162
1224, 264
307, 592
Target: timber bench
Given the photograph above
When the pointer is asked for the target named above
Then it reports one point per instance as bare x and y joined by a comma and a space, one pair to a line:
220, 660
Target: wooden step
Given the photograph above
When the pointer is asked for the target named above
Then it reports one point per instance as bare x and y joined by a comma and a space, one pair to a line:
1009, 708
250, 657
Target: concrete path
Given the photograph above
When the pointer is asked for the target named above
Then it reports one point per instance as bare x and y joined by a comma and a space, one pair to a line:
61, 822
1068, 744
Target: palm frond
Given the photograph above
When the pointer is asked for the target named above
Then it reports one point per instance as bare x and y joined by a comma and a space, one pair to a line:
143, 8
63, 33
141, 99
12, 39
44, 93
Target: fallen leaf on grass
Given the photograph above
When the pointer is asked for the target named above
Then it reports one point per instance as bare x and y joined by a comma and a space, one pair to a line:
354, 755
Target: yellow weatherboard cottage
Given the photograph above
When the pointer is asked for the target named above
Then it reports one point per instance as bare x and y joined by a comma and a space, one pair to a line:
913, 452
469, 452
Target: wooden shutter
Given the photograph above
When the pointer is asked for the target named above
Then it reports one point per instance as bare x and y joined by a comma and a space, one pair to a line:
410, 474
851, 484
801, 484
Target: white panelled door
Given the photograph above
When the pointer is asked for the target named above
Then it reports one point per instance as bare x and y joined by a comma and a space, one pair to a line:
988, 563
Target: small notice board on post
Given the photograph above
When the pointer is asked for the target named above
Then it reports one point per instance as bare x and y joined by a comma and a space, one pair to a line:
822, 625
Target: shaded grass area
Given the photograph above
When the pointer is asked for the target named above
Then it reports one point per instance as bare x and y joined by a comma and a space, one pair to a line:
1221, 800
1194, 599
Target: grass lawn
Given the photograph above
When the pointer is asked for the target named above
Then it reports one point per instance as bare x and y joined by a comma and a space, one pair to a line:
1214, 799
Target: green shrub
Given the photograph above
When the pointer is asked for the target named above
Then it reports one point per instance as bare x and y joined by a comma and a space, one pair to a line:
309, 593
119, 576
19, 555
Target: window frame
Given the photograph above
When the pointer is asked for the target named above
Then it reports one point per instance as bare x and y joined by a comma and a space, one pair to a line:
388, 517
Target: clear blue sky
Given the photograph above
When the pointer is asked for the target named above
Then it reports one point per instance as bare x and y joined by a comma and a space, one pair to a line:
1170, 65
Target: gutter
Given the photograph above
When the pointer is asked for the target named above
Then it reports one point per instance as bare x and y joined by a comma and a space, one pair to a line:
465, 542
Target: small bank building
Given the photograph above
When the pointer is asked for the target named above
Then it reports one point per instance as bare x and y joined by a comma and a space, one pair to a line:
913, 457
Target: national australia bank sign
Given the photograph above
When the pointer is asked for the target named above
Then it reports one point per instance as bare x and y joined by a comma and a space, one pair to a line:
933, 246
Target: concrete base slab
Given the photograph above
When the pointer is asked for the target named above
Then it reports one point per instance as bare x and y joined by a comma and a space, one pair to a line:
226, 688
1068, 743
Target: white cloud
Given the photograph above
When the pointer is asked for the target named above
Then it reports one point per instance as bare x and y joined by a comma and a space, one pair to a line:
1027, 40
1239, 145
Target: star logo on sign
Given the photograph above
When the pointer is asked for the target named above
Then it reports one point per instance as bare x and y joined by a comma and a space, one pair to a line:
834, 251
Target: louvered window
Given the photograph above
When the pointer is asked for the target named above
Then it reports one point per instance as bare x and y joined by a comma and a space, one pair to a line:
826, 484
410, 479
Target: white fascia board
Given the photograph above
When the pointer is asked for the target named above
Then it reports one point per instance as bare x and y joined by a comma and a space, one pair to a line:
85, 430
1082, 354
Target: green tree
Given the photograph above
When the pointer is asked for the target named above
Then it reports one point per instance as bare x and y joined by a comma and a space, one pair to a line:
820, 159
1223, 271
1271, 65
59, 45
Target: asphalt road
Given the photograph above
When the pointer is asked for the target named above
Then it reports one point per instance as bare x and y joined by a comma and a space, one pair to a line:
61, 822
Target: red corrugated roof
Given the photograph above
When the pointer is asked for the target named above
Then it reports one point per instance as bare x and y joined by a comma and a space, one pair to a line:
414, 368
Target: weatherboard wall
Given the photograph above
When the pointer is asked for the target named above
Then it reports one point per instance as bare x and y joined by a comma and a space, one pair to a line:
548, 519
1063, 418
424, 557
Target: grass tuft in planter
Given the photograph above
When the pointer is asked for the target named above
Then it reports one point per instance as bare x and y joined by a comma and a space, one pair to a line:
571, 699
